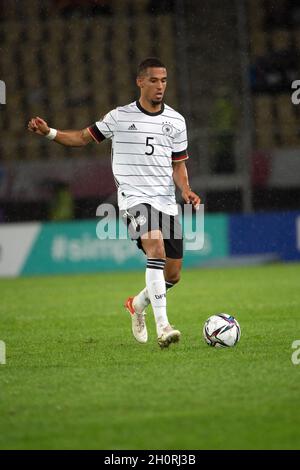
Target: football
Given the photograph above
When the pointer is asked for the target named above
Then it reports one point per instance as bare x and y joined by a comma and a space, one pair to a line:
221, 331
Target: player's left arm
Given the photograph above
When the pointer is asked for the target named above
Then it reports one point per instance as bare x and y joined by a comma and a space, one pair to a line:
181, 179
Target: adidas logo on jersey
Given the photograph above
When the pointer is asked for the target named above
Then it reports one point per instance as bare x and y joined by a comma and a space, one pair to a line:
132, 128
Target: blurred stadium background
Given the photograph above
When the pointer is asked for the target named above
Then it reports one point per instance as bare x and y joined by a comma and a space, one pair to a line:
231, 69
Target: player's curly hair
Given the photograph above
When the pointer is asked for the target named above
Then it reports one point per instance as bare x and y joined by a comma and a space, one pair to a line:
149, 62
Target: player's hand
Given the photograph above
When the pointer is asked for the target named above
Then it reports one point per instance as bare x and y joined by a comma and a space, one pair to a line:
191, 198
39, 126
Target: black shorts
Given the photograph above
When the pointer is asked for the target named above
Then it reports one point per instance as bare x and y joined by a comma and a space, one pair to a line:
143, 218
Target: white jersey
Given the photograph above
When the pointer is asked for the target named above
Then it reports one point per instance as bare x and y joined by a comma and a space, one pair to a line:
144, 145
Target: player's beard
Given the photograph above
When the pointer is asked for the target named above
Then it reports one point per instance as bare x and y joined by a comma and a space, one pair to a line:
156, 102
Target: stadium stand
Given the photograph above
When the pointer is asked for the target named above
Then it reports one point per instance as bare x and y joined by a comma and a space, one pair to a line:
274, 47
73, 65
70, 62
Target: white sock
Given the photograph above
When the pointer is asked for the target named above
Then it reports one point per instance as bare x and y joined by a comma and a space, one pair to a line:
156, 286
141, 300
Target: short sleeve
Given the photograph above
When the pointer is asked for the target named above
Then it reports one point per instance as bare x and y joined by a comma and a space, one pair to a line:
105, 128
180, 145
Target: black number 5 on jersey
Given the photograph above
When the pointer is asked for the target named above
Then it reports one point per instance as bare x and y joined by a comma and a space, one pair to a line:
149, 145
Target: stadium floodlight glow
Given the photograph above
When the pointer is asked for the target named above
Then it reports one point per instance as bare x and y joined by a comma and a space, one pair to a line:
2, 92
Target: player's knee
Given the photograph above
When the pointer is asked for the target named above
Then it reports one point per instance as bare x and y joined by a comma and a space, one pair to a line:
159, 253
157, 250
174, 278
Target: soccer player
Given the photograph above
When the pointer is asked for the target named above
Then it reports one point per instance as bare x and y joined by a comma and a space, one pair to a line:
149, 149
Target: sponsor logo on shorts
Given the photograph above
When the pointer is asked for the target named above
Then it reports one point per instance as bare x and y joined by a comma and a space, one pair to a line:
141, 220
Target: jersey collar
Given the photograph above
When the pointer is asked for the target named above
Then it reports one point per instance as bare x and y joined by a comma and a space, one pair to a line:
147, 112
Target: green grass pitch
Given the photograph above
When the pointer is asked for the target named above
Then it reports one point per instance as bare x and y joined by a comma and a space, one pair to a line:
75, 377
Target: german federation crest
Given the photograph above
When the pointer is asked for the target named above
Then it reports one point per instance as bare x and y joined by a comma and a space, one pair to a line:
167, 128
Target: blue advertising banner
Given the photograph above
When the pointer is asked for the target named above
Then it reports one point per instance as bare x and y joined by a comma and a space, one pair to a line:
270, 233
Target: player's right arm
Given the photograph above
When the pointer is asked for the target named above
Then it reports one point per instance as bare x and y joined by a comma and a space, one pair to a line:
69, 138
